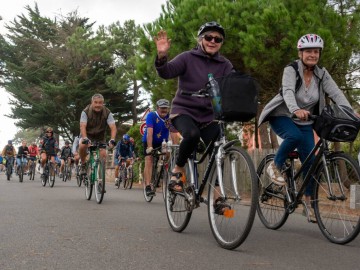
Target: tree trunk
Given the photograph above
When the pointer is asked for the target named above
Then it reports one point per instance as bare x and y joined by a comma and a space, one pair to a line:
134, 103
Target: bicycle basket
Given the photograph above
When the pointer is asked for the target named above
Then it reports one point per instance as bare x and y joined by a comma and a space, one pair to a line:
239, 97
337, 124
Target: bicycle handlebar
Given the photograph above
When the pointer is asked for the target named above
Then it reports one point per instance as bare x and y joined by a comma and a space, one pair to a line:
201, 93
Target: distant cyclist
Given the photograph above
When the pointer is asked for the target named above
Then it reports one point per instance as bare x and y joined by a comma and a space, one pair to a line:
9, 153
49, 148
123, 153
22, 154
66, 155
93, 122
157, 130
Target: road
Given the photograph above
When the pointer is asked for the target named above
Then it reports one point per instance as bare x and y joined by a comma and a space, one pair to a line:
57, 228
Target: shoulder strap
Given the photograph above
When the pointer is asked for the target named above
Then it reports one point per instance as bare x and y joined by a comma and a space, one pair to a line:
298, 83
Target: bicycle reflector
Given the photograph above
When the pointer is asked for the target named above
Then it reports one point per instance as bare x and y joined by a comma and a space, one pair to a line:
229, 213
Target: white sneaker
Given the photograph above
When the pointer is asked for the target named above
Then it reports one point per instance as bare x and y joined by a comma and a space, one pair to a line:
41, 170
275, 175
116, 181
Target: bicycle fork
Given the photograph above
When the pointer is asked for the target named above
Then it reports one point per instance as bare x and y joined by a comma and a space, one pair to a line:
219, 158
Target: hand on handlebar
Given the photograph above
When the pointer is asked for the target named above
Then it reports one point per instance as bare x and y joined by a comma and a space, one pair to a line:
149, 150
302, 114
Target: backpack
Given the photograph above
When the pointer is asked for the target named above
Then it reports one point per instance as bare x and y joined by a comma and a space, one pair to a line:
239, 97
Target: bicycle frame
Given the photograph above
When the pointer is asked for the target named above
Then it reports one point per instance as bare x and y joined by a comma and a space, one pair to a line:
216, 155
94, 159
322, 150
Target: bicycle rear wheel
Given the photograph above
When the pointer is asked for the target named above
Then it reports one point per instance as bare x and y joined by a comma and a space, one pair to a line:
52, 174
338, 212
178, 208
99, 184
232, 224
272, 201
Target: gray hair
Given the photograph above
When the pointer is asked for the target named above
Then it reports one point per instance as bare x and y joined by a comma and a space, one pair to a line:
97, 96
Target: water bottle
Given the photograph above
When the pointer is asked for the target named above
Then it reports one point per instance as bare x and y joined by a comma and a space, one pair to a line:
169, 144
163, 146
214, 93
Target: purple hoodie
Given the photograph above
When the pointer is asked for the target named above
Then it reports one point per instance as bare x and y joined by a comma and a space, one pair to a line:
192, 68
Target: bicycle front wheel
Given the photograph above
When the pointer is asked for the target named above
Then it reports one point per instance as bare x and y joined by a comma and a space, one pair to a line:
271, 201
78, 177
52, 175
131, 177
336, 203
232, 214
177, 205
21, 173
100, 181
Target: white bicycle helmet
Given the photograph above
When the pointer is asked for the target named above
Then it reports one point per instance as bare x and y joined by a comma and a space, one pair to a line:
310, 41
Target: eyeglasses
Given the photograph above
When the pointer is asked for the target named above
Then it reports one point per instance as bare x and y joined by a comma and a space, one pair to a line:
210, 38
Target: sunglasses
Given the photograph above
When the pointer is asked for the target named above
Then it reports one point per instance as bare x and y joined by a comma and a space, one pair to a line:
210, 38
48, 132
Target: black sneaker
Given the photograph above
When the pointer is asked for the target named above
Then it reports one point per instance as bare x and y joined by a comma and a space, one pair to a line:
149, 191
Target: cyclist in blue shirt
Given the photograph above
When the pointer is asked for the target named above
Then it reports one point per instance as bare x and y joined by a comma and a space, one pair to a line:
158, 128
123, 152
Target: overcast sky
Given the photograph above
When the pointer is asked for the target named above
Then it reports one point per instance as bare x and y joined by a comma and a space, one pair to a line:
103, 12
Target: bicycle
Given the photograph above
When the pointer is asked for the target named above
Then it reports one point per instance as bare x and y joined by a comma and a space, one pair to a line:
95, 176
128, 183
31, 166
158, 173
230, 181
9, 167
124, 173
21, 169
335, 175
49, 173
67, 170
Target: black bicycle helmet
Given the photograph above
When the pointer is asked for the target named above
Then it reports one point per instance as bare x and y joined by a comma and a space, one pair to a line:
211, 26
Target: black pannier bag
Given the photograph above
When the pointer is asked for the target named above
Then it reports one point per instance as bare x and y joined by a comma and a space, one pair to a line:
337, 124
239, 97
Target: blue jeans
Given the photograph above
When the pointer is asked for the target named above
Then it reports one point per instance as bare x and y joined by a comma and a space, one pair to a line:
300, 137
21, 160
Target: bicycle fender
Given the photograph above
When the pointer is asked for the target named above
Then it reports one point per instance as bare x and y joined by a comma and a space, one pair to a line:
229, 144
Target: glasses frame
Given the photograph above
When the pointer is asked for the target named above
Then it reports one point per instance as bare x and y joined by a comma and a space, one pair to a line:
209, 38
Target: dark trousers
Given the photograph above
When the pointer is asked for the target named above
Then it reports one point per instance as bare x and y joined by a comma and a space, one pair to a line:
191, 132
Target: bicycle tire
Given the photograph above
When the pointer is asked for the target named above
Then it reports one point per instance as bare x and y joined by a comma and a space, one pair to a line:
177, 207
64, 176
51, 175
8, 171
78, 178
99, 184
21, 172
125, 181
87, 182
121, 176
337, 216
131, 177
271, 205
44, 176
231, 227
69, 173
31, 172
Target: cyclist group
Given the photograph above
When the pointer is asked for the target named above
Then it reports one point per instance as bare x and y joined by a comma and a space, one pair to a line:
193, 118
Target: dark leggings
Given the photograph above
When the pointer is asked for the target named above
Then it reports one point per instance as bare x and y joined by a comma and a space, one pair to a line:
191, 131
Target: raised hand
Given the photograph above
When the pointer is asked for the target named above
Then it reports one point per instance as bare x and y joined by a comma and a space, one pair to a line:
162, 43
